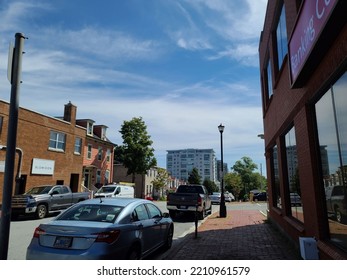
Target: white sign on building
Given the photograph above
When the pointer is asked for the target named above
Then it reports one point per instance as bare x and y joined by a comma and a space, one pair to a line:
42, 166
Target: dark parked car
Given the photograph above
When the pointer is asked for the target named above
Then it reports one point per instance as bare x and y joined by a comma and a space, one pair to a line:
262, 196
103, 228
295, 199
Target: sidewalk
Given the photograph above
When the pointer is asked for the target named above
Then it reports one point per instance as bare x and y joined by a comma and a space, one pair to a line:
242, 235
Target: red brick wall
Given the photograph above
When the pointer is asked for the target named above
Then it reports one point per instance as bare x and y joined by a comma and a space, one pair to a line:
33, 138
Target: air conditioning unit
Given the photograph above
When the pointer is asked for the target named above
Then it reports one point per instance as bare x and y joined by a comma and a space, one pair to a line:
308, 248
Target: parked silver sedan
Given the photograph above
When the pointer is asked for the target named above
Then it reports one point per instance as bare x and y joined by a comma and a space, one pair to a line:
103, 228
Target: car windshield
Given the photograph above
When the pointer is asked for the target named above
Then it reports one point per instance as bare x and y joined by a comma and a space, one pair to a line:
107, 189
39, 190
92, 213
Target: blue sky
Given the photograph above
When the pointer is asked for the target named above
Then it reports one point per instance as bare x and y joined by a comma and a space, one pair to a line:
184, 66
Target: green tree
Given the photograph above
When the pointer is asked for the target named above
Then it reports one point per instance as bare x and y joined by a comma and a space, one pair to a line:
136, 153
161, 180
233, 184
245, 168
194, 177
210, 186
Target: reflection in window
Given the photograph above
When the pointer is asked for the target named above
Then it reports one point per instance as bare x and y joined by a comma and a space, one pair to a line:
281, 36
269, 79
331, 114
276, 178
293, 176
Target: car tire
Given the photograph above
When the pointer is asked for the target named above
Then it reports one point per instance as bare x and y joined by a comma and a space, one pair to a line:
339, 216
169, 238
134, 253
41, 211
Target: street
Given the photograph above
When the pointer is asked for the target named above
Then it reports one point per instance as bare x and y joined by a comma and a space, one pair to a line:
21, 230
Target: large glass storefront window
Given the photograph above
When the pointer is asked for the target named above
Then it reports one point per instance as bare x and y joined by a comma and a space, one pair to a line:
331, 114
293, 176
276, 179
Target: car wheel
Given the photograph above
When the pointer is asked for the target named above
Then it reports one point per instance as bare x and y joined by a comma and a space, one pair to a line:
339, 216
169, 237
134, 253
41, 211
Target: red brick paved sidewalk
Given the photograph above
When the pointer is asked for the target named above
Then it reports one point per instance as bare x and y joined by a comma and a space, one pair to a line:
242, 235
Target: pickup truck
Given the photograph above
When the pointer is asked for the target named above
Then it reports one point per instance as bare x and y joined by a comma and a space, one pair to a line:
189, 198
336, 200
41, 200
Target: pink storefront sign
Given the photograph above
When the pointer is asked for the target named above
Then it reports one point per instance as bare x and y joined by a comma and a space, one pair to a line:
312, 19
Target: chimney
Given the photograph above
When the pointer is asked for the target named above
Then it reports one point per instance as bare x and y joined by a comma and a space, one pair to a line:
70, 113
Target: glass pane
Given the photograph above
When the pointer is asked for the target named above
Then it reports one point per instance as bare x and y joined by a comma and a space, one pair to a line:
293, 176
281, 34
331, 114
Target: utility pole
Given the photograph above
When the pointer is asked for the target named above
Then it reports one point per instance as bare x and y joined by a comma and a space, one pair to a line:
11, 146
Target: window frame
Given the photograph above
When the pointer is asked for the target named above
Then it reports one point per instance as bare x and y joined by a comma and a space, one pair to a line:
89, 151
78, 146
281, 38
56, 140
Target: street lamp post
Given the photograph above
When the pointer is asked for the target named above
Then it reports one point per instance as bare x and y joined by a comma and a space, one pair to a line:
222, 208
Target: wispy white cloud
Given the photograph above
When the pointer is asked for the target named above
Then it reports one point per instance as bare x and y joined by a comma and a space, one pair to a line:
106, 44
13, 13
235, 23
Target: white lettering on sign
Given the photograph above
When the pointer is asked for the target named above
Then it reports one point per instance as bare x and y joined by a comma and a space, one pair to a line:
321, 10
307, 38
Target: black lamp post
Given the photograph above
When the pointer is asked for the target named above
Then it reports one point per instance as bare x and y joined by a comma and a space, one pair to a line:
222, 208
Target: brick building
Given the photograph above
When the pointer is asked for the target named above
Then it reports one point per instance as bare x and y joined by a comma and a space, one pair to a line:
303, 61
52, 150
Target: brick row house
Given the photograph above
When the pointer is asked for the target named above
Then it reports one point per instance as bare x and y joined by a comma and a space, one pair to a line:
56, 150
303, 63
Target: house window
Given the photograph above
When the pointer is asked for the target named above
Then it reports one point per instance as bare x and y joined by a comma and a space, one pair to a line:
99, 153
89, 151
293, 176
98, 176
103, 133
57, 141
281, 37
90, 128
331, 116
78, 145
108, 155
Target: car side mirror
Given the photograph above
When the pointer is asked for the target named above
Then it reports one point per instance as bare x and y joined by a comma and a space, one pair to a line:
166, 215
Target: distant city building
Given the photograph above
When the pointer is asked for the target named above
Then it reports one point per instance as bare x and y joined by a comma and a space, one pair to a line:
180, 163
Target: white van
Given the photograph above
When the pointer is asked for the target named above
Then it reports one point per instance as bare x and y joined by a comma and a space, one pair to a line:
115, 191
